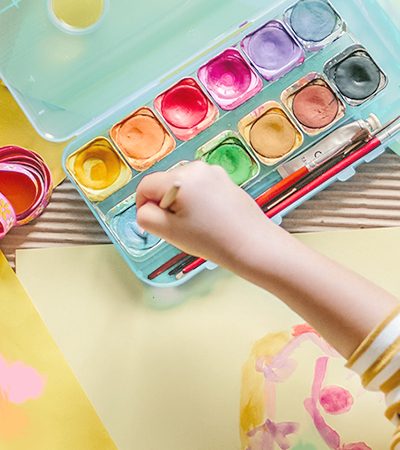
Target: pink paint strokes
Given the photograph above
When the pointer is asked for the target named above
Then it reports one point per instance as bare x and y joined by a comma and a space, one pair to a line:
270, 432
335, 400
330, 395
278, 370
280, 367
356, 446
303, 329
19, 383
328, 434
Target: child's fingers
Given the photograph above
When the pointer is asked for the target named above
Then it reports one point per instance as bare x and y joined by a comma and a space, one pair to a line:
154, 220
152, 188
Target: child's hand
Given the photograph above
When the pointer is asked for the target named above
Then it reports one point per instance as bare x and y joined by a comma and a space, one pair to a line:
215, 219
211, 217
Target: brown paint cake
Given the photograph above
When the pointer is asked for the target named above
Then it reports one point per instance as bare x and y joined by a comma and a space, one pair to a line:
314, 103
272, 135
315, 106
270, 132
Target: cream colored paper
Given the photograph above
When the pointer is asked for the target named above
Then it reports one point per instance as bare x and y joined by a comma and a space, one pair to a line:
163, 368
42, 406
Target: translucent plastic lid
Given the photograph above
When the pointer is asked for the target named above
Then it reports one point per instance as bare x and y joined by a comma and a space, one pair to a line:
70, 62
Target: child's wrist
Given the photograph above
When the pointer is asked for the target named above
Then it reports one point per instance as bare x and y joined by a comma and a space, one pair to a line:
259, 247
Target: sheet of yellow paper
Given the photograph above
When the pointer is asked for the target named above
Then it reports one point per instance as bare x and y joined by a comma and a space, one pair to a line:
42, 406
163, 368
15, 129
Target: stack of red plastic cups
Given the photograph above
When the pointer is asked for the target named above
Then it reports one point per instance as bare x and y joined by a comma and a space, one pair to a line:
25, 187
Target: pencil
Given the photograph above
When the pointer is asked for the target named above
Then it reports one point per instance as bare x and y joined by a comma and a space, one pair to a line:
170, 196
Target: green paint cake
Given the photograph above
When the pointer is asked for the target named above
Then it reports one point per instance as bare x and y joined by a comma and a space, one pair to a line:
232, 157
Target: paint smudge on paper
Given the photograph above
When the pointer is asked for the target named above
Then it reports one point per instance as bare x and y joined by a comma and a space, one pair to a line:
19, 383
270, 432
13, 419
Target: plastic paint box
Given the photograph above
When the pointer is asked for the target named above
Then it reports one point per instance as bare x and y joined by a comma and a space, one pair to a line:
83, 82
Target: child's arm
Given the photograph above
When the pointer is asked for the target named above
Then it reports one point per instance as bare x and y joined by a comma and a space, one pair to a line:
216, 220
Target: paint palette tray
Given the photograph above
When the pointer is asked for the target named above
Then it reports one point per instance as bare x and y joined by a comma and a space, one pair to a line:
198, 115
242, 97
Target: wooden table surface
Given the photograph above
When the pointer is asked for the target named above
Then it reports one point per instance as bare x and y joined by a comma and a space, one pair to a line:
371, 199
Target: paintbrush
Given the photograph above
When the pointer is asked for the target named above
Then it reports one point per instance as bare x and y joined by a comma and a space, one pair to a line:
304, 171
166, 202
315, 173
335, 167
197, 262
184, 262
167, 265
170, 196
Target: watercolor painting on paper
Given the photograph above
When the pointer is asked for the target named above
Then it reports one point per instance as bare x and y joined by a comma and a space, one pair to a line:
319, 411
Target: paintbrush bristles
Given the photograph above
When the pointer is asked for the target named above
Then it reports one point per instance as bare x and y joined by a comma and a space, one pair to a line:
170, 196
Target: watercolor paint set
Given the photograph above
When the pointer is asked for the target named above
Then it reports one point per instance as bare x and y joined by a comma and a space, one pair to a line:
260, 89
